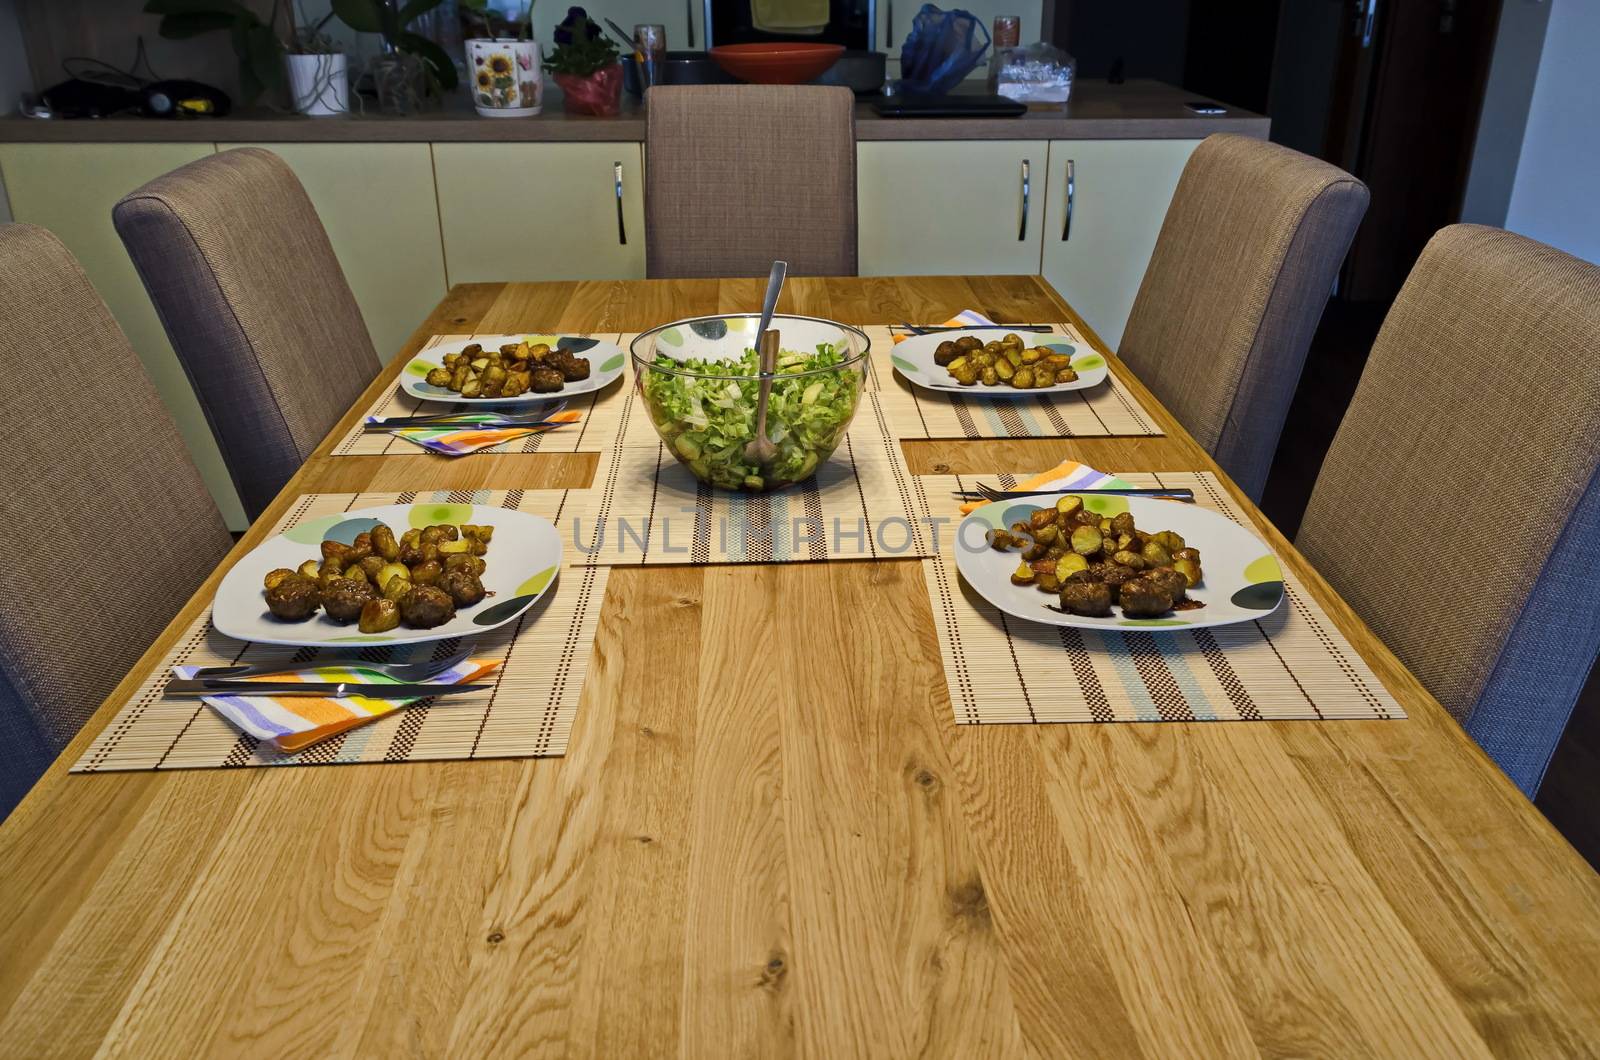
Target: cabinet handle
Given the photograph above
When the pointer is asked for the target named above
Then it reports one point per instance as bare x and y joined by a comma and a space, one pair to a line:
1022, 226
1072, 194
622, 227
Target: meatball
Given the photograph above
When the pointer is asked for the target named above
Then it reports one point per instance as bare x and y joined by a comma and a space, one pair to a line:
546, 380
1165, 578
294, 599
1086, 598
1140, 598
463, 586
1113, 574
945, 353
427, 606
343, 598
571, 368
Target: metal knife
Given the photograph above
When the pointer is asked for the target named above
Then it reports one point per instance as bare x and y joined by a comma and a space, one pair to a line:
322, 690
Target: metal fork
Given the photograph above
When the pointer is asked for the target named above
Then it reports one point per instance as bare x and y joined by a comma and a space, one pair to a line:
407, 672
929, 329
989, 493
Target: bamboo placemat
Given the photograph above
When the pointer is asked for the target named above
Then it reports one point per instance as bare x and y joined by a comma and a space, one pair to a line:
529, 711
646, 508
601, 422
1293, 664
1103, 411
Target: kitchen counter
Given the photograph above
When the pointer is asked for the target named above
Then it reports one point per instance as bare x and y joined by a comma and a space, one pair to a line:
1136, 110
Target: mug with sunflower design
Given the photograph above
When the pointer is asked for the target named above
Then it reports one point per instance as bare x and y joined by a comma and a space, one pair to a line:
506, 81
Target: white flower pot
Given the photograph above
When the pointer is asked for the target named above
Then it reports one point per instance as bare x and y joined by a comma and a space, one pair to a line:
504, 77
319, 84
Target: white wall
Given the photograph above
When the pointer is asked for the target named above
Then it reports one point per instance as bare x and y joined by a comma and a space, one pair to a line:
1518, 43
1556, 196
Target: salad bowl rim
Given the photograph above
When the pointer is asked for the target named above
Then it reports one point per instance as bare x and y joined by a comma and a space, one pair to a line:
640, 363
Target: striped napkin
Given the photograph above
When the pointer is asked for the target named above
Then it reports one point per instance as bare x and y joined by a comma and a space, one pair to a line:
1067, 475
457, 441
967, 318
291, 723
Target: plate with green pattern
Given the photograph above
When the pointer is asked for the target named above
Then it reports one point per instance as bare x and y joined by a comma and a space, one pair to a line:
522, 562
1241, 580
913, 359
605, 365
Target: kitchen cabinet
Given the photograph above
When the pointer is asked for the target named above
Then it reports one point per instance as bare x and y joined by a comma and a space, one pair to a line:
1099, 234
931, 207
541, 211
377, 203
70, 189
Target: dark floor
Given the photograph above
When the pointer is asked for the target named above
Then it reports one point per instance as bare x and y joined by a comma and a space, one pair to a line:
1570, 796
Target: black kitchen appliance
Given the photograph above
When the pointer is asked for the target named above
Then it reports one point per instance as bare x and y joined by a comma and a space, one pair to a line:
852, 23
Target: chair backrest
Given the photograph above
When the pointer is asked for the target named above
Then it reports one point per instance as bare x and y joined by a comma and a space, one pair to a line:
108, 529
252, 297
1458, 509
1241, 272
737, 176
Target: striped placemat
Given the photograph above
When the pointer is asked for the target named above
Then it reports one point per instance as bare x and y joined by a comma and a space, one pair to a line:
1293, 664
646, 508
601, 411
529, 711
915, 412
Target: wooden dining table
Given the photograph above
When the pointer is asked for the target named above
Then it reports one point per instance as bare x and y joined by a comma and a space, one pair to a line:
770, 836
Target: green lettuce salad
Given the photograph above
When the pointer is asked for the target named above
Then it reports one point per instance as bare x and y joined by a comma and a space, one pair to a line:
708, 422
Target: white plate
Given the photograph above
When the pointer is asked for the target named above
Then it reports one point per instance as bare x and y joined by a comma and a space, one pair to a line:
913, 359
1241, 579
605, 364
524, 558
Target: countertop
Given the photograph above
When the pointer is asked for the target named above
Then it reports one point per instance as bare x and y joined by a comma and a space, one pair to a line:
1136, 110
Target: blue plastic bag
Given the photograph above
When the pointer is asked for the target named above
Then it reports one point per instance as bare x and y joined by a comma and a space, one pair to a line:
942, 48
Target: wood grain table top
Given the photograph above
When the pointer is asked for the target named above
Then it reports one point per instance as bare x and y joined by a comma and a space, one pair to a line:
794, 848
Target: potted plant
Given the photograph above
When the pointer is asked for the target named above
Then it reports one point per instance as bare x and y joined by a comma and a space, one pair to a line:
585, 65
255, 40
411, 69
503, 63
319, 79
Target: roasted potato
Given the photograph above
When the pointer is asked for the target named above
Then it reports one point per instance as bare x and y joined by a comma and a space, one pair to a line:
379, 616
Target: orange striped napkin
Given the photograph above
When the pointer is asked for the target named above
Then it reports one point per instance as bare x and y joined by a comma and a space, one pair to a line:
967, 318
292, 723
1069, 474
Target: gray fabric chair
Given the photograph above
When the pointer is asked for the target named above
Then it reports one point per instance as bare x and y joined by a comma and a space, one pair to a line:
252, 297
109, 529
737, 176
1458, 509
1241, 272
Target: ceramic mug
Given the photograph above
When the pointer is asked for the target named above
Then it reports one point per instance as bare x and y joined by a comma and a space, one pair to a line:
504, 76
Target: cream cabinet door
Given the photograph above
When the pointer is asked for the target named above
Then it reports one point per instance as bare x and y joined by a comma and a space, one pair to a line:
933, 207
70, 189
541, 211
1106, 201
376, 202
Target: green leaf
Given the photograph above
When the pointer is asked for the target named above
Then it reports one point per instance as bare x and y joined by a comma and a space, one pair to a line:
363, 16
184, 26
265, 53
436, 57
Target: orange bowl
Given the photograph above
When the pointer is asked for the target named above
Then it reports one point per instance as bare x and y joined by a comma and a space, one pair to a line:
781, 63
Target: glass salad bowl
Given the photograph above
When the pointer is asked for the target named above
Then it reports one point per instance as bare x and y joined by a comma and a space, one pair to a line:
699, 379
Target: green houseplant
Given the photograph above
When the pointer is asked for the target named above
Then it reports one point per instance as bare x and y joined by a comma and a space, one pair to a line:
255, 41
585, 64
389, 19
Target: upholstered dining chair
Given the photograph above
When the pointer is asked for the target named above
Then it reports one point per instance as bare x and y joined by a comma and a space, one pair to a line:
109, 528
1241, 272
257, 308
739, 175
1458, 510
